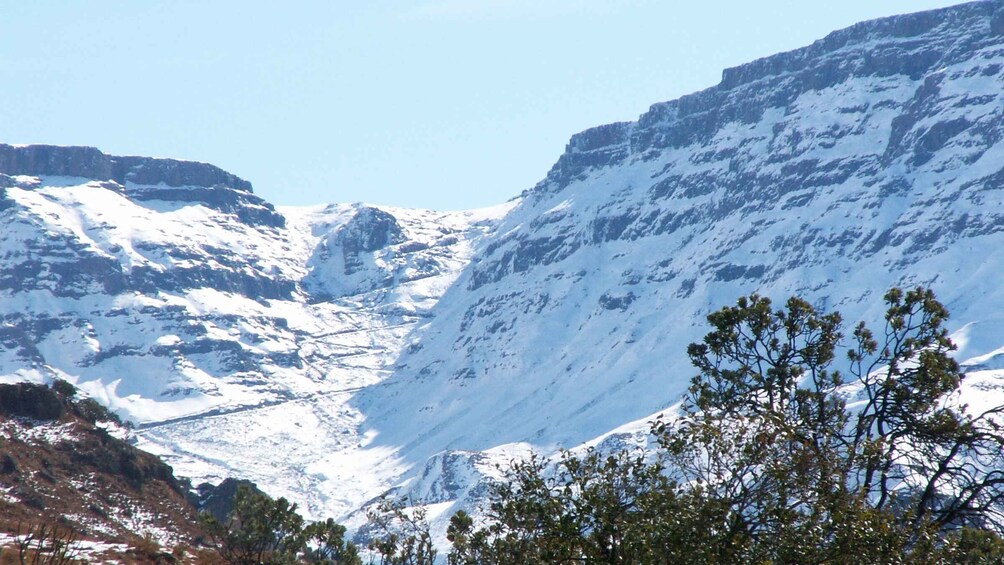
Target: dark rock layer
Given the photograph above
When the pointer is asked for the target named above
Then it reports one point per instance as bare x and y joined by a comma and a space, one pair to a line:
88, 162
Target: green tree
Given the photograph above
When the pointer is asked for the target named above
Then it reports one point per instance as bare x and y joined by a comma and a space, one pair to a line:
913, 445
596, 508
260, 530
767, 431
326, 545
465, 540
400, 534
777, 457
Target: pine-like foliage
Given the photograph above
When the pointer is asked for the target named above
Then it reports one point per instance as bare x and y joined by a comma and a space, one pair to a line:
778, 456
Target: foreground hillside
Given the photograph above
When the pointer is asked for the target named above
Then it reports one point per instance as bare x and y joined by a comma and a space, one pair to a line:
65, 464
330, 353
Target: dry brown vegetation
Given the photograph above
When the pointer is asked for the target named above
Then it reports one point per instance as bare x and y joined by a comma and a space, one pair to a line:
60, 468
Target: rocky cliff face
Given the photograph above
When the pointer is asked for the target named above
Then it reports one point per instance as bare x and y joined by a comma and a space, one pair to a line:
143, 178
343, 349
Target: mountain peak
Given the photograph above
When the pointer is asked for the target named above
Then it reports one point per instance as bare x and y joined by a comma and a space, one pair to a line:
912, 45
974, 19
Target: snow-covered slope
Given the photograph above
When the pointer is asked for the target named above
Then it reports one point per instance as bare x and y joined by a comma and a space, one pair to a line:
870, 159
329, 353
229, 332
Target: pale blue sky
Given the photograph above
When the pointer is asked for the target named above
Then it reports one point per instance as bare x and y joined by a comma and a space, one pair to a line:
443, 104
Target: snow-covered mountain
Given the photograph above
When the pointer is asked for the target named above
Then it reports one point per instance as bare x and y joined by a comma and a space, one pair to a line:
172, 293
872, 158
329, 353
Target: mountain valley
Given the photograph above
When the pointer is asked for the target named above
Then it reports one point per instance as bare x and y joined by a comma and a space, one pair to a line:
333, 353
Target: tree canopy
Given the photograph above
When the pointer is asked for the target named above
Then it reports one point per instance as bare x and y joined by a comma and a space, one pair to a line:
792, 445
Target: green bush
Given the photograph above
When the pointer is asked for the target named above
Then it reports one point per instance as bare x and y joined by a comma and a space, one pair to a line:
64, 388
261, 530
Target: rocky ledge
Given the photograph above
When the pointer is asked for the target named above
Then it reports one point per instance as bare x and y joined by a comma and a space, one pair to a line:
88, 162
141, 178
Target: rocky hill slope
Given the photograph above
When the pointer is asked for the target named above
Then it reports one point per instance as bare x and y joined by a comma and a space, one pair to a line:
328, 353
65, 463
